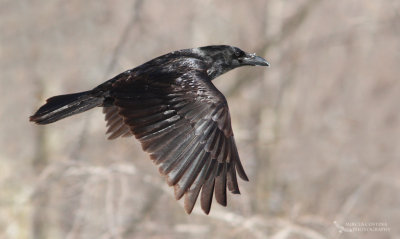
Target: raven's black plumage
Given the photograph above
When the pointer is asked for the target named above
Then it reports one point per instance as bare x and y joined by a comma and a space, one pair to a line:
171, 106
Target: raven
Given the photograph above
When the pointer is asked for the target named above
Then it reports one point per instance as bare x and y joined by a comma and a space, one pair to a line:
181, 119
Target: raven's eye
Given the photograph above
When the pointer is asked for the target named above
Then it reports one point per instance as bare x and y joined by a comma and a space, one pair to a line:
238, 53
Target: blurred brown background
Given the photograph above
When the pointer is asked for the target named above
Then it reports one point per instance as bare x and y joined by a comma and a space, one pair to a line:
318, 132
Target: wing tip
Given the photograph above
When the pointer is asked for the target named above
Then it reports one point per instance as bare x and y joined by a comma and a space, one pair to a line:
178, 192
244, 177
237, 191
188, 205
222, 201
206, 207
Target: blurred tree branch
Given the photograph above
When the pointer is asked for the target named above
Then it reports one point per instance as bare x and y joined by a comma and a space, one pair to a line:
39, 165
135, 19
264, 179
289, 27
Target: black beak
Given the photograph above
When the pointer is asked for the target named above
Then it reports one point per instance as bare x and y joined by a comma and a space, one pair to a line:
253, 60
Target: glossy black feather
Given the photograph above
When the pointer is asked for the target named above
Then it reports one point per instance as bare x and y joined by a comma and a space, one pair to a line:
171, 106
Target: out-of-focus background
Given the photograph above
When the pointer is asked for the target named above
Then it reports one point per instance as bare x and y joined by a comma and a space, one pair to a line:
318, 132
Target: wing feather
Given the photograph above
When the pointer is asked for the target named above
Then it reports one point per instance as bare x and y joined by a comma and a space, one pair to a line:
184, 124
193, 192
208, 188
115, 123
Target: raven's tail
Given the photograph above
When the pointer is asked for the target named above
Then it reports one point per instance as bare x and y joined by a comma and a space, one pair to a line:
61, 106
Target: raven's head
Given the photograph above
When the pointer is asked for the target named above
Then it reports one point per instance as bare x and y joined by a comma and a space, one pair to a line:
223, 58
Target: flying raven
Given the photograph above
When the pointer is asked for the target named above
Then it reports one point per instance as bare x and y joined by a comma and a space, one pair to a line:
181, 119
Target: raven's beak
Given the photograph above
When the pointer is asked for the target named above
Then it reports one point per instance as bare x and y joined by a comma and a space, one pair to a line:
252, 59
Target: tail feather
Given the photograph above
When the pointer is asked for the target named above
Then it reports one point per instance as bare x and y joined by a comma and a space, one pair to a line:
61, 106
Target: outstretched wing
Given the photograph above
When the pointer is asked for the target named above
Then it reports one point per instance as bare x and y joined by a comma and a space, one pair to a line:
184, 123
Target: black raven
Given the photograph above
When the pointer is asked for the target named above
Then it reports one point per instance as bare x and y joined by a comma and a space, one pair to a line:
171, 106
